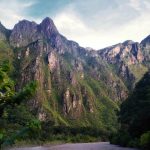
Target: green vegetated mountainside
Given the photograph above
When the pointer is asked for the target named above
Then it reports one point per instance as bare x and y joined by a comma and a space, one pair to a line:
134, 117
77, 88
75, 85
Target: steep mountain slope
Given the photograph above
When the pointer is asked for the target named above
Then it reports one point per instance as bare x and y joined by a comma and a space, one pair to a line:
74, 84
145, 44
128, 61
4, 33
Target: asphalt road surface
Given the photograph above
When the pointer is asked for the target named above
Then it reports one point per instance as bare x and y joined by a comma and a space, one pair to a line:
78, 146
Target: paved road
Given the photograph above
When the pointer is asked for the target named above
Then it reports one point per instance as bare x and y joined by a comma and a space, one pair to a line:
79, 146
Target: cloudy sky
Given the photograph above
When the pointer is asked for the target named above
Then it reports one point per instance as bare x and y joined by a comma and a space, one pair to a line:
91, 23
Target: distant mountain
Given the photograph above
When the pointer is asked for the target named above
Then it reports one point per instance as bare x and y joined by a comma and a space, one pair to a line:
128, 60
77, 86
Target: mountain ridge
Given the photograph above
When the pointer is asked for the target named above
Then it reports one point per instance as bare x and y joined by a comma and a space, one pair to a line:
76, 85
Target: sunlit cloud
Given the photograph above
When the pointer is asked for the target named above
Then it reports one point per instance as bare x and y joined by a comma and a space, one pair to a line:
135, 4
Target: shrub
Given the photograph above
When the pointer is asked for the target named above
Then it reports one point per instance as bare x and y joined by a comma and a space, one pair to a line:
133, 143
114, 139
122, 138
145, 141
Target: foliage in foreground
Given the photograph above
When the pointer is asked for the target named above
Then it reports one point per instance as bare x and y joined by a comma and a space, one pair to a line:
13, 115
135, 117
17, 123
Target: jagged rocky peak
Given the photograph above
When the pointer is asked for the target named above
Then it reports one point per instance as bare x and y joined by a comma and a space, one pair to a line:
133, 52
89, 48
25, 24
128, 42
26, 32
48, 27
23, 33
128, 51
4, 33
48, 22
146, 42
2, 28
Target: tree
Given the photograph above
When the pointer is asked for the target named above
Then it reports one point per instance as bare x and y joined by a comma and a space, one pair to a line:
10, 99
8, 95
134, 116
135, 111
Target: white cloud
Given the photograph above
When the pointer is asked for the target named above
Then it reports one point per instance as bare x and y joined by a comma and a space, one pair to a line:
70, 25
103, 28
135, 4
13, 10
73, 27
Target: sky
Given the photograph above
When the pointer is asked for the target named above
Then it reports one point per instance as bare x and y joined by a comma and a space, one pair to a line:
91, 23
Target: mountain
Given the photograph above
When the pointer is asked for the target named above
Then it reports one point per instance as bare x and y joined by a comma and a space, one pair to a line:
145, 44
76, 86
128, 59
4, 33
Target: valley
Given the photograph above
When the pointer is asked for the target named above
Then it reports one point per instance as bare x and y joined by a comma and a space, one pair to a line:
53, 89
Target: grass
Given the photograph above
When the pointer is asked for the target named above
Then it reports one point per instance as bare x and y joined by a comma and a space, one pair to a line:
56, 116
138, 70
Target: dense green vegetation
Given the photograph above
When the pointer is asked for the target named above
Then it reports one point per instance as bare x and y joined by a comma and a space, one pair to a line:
134, 117
72, 134
19, 123
14, 117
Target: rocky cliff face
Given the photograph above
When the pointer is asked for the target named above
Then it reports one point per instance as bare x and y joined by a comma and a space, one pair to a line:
127, 59
4, 33
75, 84
145, 44
128, 52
